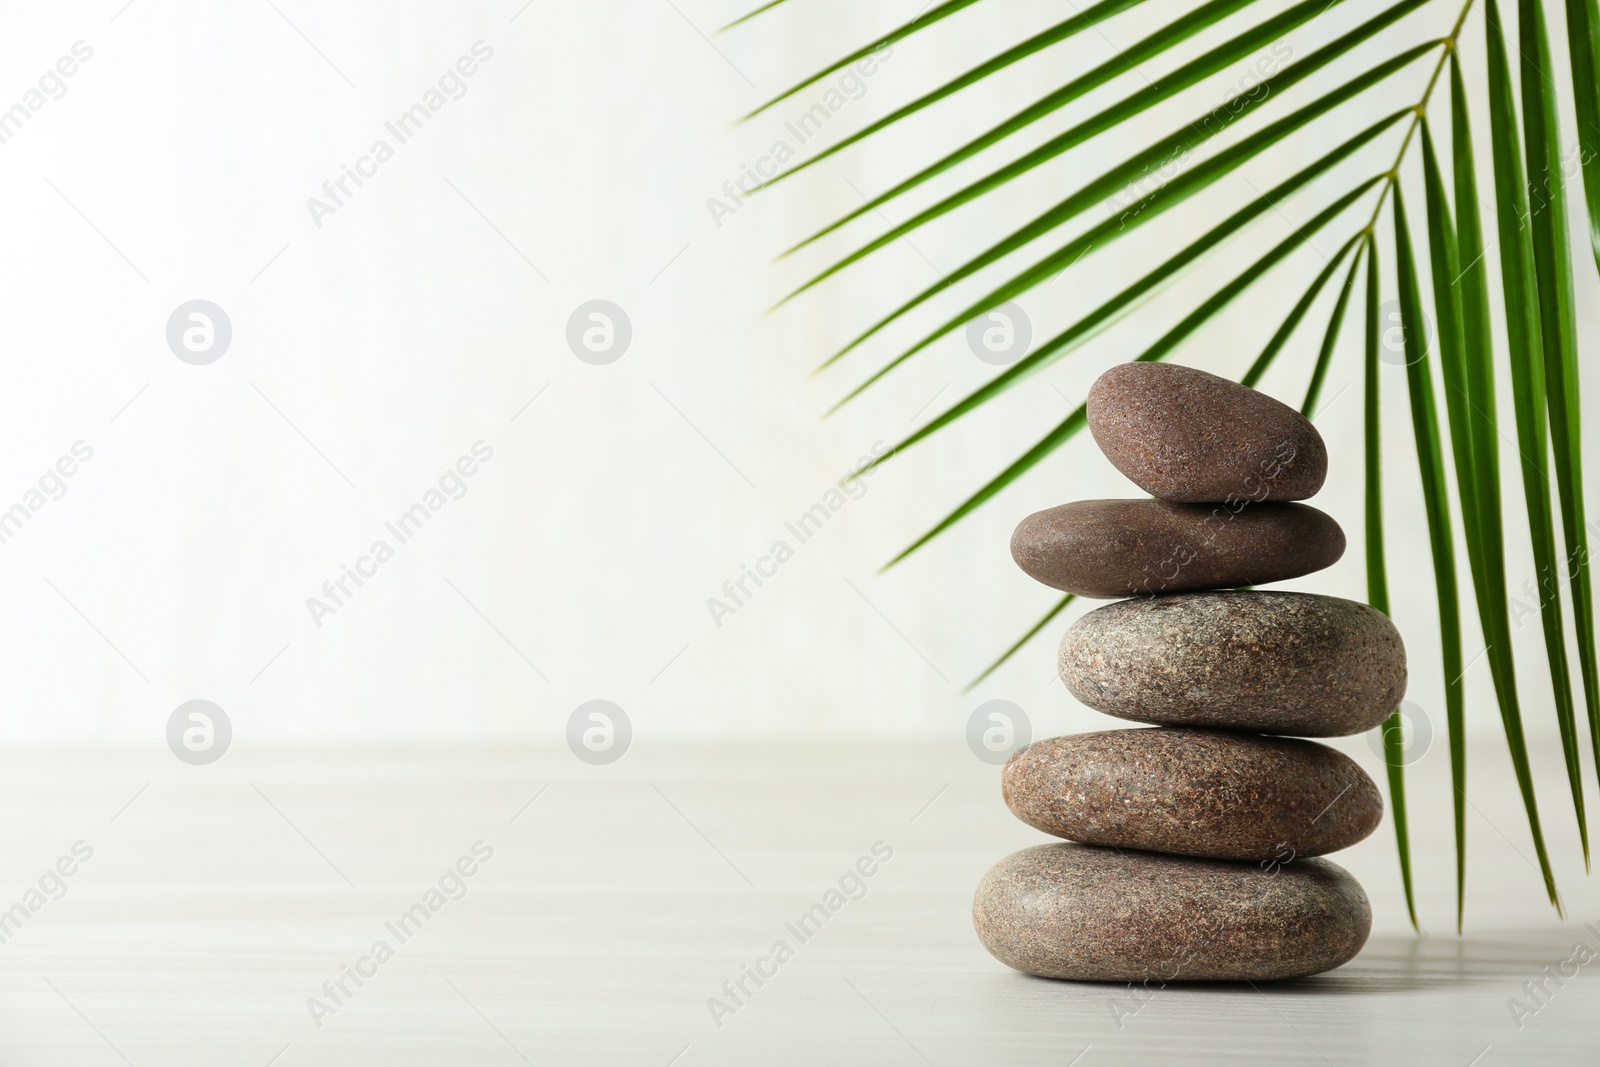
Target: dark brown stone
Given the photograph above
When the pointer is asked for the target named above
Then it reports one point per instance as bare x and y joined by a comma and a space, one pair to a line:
1119, 548
1096, 914
1184, 435
1194, 792
1266, 661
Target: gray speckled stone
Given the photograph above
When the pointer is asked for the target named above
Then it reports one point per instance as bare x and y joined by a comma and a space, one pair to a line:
1194, 792
1118, 548
1184, 435
1271, 662
1076, 911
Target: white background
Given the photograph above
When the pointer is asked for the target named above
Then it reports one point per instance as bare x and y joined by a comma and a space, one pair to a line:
429, 313
371, 351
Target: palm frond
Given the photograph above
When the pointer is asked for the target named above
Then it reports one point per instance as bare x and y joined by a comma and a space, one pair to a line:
1164, 89
1583, 45
1552, 275
1269, 354
1528, 383
1430, 464
747, 16
1144, 211
1445, 262
1061, 31
1530, 253
1319, 372
1471, 286
928, 17
1178, 145
1394, 752
1080, 331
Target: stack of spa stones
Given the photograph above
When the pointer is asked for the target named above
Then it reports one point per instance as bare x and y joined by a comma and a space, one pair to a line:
1192, 841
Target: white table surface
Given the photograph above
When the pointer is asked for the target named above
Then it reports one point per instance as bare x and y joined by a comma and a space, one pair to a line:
220, 899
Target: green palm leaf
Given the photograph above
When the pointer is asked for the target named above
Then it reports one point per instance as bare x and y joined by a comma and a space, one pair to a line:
1445, 262
1394, 753
1583, 44
1084, 328
1143, 212
929, 16
1528, 385
1174, 147
1269, 354
1531, 255
747, 16
1184, 77
1435, 497
1558, 337
1061, 31
1319, 372
1471, 288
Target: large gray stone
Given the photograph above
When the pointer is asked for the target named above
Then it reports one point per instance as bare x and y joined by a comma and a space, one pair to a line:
1194, 792
1077, 911
1271, 662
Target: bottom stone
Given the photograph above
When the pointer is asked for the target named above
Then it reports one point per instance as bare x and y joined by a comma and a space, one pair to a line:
1097, 914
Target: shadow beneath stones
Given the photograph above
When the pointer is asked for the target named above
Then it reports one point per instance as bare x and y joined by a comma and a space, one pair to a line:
1478, 954
1398, 964
1395, 964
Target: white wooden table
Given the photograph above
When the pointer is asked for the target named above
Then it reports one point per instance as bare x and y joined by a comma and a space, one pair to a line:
219, 900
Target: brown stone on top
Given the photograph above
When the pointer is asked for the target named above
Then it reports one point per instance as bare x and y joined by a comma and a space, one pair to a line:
1120, 548
1262, 660
1194, 792
1096, 914
1184, 435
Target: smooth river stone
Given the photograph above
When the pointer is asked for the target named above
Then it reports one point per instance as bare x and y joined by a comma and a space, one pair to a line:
1184, 435
1095, 914
1271, 662
1119, 548
1194, 792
